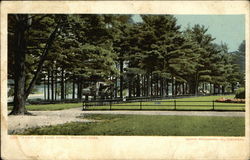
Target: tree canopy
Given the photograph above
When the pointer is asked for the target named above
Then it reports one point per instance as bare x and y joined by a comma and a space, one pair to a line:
141, 57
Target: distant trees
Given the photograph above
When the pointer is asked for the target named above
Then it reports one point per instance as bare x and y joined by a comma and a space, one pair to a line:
150, 58
240, 56
237, 61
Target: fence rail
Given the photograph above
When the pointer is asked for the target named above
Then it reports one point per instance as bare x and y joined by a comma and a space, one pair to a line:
162, 105
127, 99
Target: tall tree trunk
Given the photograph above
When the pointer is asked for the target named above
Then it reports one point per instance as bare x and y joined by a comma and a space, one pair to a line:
232, 88
173, 86
115, 89
73, 88
111, 89
95, 90
138, 88
196, 83
55, 85
121, 78
192, 88
157, 86
167, 88
62, 85
65, 89
203, 87
44, 87
183, 89
19, 68
214, 88
133, 88
161, 87
78, 86
143, 85
219, 89
186, 89
21, 93
48, 85
43, 58
151, 85
79, 89
129, 88
176, 88
148, 85
210, 88
52, 86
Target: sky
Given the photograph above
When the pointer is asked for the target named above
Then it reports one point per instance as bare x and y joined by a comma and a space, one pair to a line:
229, 29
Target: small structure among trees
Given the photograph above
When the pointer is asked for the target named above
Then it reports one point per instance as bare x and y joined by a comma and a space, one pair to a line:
149, 58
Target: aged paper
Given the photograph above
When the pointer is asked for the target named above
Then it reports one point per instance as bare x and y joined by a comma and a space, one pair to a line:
121, 147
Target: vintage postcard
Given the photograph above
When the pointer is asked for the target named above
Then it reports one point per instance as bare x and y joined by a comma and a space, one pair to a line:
125, 80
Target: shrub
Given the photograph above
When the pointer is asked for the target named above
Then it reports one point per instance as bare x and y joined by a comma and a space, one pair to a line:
240, 93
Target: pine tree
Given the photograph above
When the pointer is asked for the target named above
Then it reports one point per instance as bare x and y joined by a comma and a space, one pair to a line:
22, 30
206, 55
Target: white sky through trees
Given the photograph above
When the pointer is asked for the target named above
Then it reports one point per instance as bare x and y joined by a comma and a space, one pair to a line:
229, 29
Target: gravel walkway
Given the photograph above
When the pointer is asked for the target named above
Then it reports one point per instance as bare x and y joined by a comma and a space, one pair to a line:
178, 113
46, 118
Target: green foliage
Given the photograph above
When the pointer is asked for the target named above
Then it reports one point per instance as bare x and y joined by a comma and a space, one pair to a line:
240, 56
240, 93
100, 47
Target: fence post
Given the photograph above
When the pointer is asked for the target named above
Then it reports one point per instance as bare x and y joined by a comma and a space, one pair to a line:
174, 104
140, 105
110, 105
213, 105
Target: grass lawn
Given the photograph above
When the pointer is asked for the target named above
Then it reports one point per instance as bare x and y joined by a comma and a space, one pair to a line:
169, 104
50, 107
148, 125
149, 105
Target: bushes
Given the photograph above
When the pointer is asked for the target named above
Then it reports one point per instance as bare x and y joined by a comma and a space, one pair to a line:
240, 93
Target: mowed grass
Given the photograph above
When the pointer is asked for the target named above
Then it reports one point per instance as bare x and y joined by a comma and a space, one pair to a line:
147, 125
50, 107
180, 105
149, 105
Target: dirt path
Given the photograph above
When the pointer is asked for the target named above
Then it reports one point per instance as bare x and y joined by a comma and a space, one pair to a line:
45, 118
179, 113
